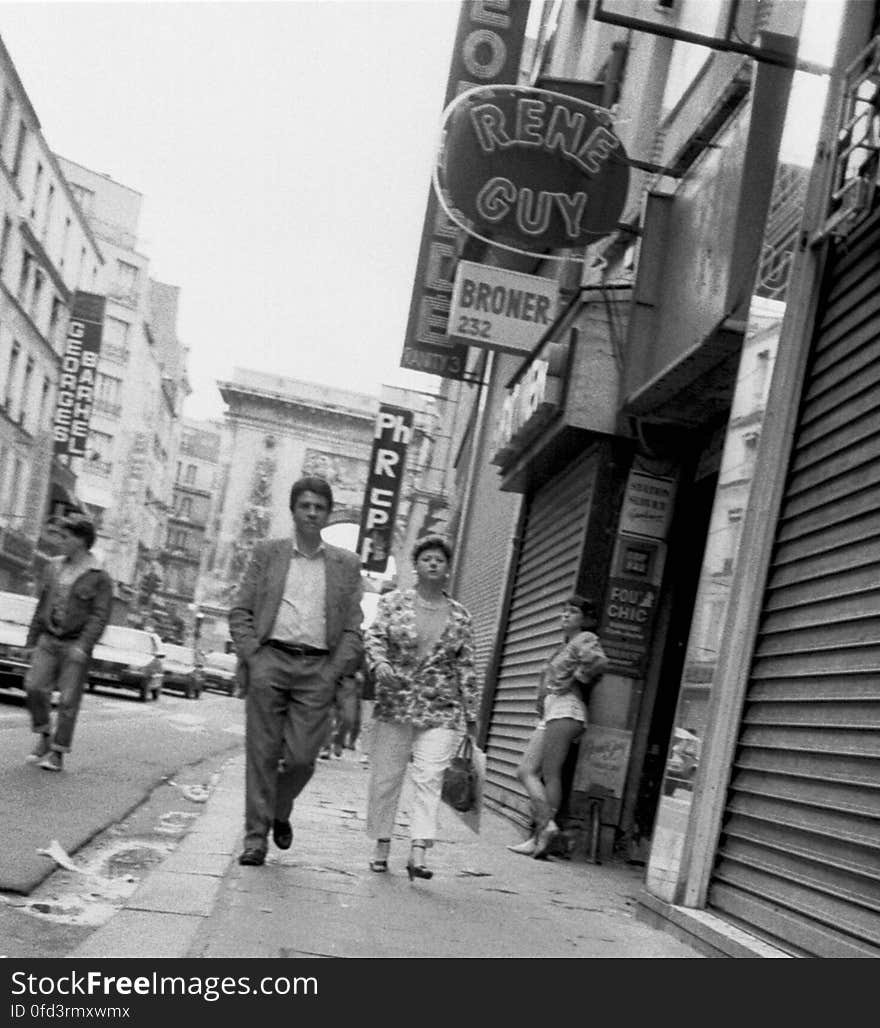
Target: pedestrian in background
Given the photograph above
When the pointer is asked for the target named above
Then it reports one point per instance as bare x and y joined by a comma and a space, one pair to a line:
72, 611
295, 623
420, 654
342, 722
562, 711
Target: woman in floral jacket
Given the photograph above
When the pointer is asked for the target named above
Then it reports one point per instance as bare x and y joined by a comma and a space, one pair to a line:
420, 652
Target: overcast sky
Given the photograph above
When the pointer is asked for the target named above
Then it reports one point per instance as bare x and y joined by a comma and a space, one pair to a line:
284, 153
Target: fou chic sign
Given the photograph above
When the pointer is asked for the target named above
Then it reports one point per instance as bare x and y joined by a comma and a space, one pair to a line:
530, 170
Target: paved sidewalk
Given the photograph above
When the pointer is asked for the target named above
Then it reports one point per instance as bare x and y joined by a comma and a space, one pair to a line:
319, 898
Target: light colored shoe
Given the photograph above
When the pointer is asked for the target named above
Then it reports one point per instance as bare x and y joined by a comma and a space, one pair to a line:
52, 762
547, 834
526, 848
41, 748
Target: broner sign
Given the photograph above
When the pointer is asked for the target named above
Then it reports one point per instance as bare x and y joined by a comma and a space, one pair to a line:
529, 169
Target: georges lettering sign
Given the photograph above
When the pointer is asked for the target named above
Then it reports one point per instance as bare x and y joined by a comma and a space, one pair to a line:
488, 47
501, 310
390, 439
76, 387
530, 170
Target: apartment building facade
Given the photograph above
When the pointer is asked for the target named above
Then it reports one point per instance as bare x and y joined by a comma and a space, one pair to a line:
47, 252
125, 477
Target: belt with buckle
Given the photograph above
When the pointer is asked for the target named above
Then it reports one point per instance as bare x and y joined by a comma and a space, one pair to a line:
295, 650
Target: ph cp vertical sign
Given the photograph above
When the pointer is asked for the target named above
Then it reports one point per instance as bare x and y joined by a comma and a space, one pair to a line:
391, 437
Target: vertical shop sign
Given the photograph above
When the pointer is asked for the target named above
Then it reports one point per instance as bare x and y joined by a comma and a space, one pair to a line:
630, 609
387, 461
488, 48
76, 387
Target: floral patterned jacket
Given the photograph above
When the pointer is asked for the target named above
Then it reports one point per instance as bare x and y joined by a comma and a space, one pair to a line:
580, 660
437, 691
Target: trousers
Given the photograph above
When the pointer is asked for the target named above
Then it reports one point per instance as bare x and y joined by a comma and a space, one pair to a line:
286, 710
392, 748
54, 666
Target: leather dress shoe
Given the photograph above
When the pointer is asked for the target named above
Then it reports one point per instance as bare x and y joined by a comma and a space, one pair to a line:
252, 857
282, 834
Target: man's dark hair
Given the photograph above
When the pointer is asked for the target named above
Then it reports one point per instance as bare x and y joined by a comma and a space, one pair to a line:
311, 484
431, 542
586, 605
79, 525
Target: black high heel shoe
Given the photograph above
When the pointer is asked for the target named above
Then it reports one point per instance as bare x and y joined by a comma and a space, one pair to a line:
419, 870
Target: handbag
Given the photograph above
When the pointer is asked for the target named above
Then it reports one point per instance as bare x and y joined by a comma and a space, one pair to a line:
459, 788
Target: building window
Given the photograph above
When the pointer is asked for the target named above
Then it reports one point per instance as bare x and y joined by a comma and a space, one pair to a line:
11, 372
108, 394
19, 148
26, 390
4, 242
27, 262
64, 238
190, 478
185, 507
55, 319
16, 487
5, 117
38, 185
45, 396
114, 341
99, 453
47, 217
37, 294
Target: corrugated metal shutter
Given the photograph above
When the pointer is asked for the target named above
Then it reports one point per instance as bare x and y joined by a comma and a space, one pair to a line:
492, 519
799, 855
553, 539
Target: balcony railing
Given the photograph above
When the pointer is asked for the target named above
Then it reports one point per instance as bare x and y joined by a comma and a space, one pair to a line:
115, 352
112, 410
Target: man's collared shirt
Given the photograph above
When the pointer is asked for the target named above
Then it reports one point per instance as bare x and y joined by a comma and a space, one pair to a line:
302, 618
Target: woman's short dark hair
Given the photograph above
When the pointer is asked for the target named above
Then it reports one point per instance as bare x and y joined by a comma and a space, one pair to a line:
585, 604
79, 525
431, 542
311, 484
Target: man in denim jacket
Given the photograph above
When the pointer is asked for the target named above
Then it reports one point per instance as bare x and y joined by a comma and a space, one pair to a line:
72, 612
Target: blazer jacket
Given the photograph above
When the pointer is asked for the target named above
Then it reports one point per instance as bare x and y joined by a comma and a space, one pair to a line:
258, 599
88, 607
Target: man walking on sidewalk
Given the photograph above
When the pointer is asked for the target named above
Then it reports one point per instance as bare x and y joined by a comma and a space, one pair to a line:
295, 623
71, 613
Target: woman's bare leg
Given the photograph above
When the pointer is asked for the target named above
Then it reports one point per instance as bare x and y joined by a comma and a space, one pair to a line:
559, 734
529, 773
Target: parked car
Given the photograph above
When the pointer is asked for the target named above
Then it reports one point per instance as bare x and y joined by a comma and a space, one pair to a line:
182, 670
16, 613
219, 671
128, 658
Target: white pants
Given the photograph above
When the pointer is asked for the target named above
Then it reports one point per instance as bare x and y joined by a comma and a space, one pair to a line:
392, 745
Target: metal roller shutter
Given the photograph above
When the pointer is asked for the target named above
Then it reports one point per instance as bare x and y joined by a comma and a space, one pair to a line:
799, 854
553, 540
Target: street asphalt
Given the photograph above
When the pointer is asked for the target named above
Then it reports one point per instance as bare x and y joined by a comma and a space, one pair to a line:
320, 899
123, 749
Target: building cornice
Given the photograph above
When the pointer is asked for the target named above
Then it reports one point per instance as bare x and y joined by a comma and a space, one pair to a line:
233, 393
